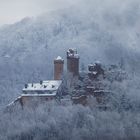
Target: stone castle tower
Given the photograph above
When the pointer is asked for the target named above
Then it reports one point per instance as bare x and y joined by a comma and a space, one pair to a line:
73, 62
72, 68
58, 68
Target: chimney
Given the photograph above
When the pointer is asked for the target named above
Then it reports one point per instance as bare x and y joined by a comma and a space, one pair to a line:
58, 68
41, 82
26, 85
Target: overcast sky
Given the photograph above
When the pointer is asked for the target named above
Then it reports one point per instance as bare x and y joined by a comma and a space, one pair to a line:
14, 10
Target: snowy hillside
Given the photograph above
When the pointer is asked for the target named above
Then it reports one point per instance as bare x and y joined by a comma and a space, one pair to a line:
104, 30
28, 47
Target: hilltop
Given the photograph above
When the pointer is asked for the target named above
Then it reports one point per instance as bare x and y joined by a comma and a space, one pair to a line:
28, 47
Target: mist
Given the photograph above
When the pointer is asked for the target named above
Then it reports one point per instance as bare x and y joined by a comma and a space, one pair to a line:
13, 11
104, 30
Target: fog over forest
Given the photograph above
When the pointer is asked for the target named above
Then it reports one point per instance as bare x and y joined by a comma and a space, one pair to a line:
104, 30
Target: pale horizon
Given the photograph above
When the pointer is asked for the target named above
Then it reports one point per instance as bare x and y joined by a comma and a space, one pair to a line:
15, 10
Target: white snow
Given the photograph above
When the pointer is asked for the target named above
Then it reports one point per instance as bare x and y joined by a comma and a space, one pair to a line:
93, 72
39, 95
51, 85
72, 53
59, 58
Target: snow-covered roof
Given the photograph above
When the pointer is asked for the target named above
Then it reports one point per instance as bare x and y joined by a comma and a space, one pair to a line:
13, 102
104, 91
91, 65
51, 85
39, 95
98, 62
93, 72
78, 97
59, 58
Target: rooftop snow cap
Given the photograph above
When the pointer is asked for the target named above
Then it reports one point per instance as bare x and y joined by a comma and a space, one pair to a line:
98, 62
72, 53
59, 58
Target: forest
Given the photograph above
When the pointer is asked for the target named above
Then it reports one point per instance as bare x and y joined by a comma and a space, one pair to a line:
107, 31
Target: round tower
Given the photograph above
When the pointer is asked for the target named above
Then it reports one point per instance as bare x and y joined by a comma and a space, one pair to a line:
73, 62
58, 68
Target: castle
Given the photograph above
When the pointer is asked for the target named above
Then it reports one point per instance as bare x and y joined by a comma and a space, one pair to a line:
73, 85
